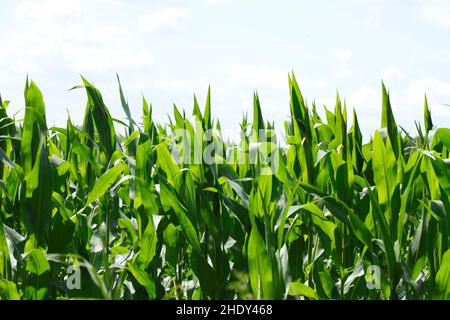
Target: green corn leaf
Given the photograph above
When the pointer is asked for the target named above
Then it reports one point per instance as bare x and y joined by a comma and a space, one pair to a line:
260, 268
443, 278
5, 262
34, 127
148, 246
169, 200
105, 182
37, 263
205, 273
144, 280
300, 289
101, 117
8, 290
258, 121
37, 203
427, 116
168, 165
444, 136
207, 121
125, 105
196, 112
388, 121
383, 168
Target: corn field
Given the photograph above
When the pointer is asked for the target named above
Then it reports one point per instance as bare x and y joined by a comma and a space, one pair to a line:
112, 209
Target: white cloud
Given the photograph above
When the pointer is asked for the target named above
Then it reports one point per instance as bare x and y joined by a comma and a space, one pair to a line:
274, 79
438, 92
45, 10
407, 103
373, 20
344, 73
343, 68
364, 97
342, 54
215, 2
54, 40
254, 76
88, 59
436, 12
168, 18
367, 102
71, 37
391, 74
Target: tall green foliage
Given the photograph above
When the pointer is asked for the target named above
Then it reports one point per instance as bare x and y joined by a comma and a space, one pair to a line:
142, 215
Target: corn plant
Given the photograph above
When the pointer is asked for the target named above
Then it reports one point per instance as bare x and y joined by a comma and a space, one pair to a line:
112, 209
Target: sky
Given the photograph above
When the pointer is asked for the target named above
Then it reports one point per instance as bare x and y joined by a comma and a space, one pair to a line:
169, 50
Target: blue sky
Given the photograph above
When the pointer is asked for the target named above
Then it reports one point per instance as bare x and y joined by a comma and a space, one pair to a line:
169, 50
